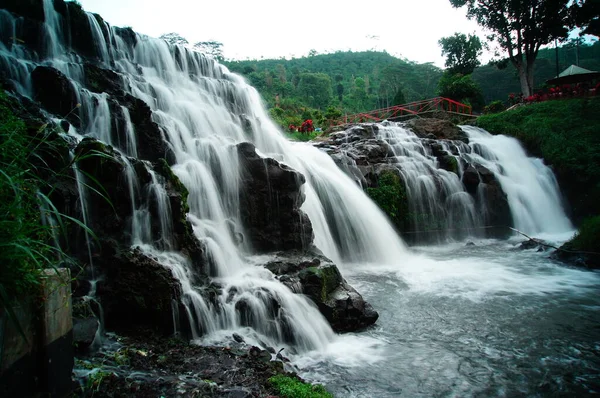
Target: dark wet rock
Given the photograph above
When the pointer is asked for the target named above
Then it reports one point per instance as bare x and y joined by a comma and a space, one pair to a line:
570, 255
470, 179
440, 129
317, 277
137, 291
534, 244
470, 243
54, 90
270, 200
101, 80
238, 338
84, 332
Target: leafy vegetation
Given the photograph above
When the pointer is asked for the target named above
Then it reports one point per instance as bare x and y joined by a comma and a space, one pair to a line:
289, 387
521, 28
461, 53
390, 196
23, 236
565, 134
588, 237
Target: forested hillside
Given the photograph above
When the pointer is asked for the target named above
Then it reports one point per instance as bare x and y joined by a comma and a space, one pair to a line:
498, 84
322, 86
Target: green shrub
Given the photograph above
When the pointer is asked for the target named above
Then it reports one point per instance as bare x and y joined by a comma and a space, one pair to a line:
290, 387
588, 237
391, 197
494, 107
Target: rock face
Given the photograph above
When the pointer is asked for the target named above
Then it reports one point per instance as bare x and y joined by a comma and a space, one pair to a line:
53, 90
270, 200
436, 128
314, 275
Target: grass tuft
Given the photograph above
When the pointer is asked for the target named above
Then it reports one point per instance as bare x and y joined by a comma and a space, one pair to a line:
289, 387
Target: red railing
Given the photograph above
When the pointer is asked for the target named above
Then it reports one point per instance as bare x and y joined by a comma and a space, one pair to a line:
412, 108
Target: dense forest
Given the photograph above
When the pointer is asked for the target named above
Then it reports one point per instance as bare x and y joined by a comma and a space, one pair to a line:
322, 86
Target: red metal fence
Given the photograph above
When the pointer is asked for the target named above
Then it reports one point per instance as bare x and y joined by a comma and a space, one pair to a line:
412, 108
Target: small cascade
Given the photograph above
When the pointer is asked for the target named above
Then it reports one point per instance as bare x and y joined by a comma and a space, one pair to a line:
530, 185
437, 199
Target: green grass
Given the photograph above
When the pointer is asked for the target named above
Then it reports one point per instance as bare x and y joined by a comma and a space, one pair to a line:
297, 136
565, 134
289, 387
23, 237
30, 224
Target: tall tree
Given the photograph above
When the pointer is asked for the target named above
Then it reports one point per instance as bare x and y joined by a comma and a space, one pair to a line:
521, 27
586, 15
213, 49
174, 39
461, 52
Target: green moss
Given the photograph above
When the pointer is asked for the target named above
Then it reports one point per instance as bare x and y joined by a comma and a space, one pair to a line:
391, 197
165, 170
292, 387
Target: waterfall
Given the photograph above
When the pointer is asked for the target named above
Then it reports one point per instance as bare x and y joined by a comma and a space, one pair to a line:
530, 185
204, 111
438, 199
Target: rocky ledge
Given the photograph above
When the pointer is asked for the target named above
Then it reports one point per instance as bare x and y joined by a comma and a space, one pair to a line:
149, 366
311, 273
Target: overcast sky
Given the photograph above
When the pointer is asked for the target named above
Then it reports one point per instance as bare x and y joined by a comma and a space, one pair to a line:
276, 28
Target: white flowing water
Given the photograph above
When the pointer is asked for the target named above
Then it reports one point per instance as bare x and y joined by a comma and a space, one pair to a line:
529, 184
204, 111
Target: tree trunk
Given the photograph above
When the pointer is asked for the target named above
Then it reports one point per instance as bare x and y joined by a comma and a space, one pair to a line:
524, 79
529, 70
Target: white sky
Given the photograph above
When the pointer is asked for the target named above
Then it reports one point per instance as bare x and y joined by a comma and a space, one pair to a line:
274, 29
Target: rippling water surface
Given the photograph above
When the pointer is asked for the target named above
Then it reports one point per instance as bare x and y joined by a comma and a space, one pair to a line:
460, 321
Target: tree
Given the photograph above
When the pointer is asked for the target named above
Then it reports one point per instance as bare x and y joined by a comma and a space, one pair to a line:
460, 88
399, 98
586, 15
461, 52
315, 89
213, 49
521, 27
174, 39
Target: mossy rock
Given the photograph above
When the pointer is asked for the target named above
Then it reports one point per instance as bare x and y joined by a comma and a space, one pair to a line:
319, 282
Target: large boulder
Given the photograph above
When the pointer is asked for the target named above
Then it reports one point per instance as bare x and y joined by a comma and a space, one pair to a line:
138, 292
441, 129
311, 273
270, 200
54, 90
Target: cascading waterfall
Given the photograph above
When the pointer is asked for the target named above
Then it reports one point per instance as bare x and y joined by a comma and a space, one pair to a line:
204, 111
438, 199
529, 184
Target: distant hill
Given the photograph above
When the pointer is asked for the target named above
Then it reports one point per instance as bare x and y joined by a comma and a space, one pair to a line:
350, 82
